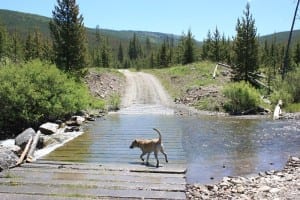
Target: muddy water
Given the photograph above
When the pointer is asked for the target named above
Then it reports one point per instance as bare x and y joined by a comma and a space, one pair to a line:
211, 147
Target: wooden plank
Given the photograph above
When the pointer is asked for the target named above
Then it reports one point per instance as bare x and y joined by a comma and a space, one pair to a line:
89, 180
124, 185
90, 192
9, 196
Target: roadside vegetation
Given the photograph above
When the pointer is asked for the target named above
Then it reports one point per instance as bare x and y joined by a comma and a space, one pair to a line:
35, 92
42, 77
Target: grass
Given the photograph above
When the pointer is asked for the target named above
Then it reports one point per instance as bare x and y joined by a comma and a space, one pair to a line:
114, 102
178, 79
294, 107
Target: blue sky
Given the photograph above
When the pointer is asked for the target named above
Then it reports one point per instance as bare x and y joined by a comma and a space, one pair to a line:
172, 16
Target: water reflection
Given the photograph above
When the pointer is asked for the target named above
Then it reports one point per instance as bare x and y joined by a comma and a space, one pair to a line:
212, 147
218, 147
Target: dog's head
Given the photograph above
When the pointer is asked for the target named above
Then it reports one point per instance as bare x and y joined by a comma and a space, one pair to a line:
134, 144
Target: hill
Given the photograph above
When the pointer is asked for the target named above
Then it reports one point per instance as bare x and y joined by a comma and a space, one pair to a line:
25, 22
282, 37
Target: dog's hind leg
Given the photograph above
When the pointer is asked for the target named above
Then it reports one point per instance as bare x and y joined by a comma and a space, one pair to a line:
157, 161
147, 161
163, 152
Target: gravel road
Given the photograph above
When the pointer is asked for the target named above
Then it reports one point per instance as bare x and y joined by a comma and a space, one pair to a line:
143, 88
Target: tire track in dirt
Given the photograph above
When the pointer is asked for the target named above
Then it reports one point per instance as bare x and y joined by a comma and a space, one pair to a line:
144, 90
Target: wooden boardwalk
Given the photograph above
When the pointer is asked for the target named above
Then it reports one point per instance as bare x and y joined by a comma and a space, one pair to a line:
66, 180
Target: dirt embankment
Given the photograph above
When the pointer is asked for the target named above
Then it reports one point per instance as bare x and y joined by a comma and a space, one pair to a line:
105, 84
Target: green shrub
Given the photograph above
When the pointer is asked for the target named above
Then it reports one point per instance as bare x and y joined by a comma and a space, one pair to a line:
114, 102
288, 90
282, 94
241, 97
35, 92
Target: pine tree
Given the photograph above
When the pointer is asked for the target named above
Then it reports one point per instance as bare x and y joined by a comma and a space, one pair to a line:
152, 60
105, 54
29, 47
148, 46
134, 50
246, 47
68, 34
297, 54
16, 47
216, 46
47, 53
97, 49
4, 42
225, 52
189, 49
163, 55
120, 53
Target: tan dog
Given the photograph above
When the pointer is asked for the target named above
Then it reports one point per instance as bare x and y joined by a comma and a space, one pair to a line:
150, 145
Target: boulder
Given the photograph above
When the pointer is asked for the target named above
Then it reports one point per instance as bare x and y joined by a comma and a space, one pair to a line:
8, 159
75, 121
79, 120
22, 139
49, 128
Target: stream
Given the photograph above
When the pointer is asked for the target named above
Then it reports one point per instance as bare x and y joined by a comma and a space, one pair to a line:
211, 147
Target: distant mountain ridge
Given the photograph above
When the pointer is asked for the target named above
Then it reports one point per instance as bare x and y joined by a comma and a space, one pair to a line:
282, 37
25, 22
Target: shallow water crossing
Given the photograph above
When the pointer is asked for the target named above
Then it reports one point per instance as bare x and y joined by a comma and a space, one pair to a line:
211, 147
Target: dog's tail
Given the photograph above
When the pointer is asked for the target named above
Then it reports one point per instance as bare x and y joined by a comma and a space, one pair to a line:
158, 134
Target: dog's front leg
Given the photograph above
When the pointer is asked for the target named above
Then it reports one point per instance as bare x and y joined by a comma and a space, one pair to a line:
141, 156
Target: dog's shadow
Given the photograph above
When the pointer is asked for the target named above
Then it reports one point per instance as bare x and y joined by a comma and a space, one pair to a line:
149, 165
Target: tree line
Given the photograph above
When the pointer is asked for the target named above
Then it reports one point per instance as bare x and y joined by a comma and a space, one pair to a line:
70, 50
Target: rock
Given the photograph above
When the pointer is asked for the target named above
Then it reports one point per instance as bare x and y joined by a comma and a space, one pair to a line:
72, 129
264, 188
295, 159
8, 159
22, 139
240, 189
48, 128
75, 121
47, 140
90, 118
274, 190
269, 185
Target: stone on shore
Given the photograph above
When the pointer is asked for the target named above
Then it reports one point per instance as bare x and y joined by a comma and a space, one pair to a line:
8, 158
283, 184
49, 128
22, 139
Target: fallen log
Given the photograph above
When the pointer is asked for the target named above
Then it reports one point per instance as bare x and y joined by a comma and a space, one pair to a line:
30, 155
215, 71
216, 68
21, 159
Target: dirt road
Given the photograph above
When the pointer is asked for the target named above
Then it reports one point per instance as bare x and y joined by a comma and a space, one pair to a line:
143, 88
